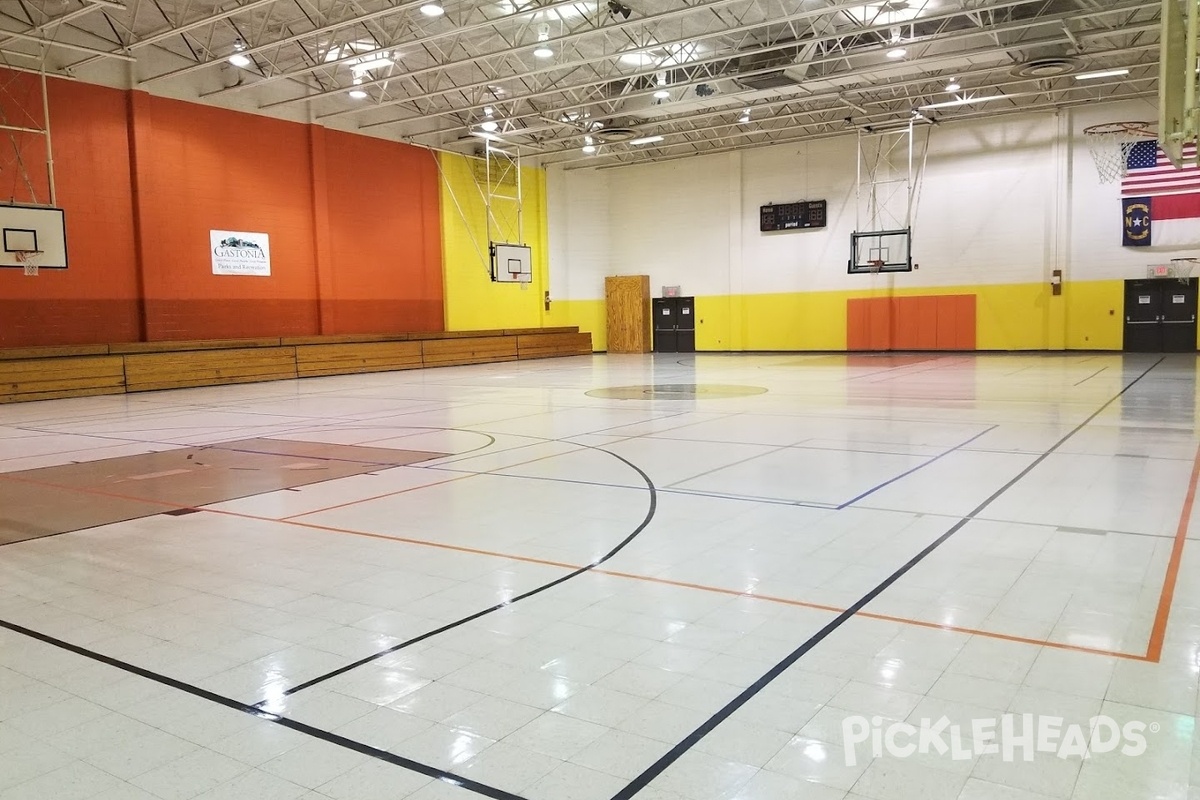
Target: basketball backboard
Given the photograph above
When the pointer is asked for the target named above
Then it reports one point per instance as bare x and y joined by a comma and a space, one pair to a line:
880, 251
1177, 78
512, 263
26, 230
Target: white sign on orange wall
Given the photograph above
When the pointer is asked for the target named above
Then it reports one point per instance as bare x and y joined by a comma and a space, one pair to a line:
240, 253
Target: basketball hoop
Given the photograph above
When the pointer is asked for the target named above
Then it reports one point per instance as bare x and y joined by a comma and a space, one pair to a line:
875, 265
1181, 269
30, 260
1110, 143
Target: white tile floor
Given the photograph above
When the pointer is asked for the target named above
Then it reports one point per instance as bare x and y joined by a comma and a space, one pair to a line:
708, 658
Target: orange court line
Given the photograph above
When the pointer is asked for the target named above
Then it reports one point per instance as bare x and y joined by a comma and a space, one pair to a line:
1158, 633
425, 486
698, 586
1153, 652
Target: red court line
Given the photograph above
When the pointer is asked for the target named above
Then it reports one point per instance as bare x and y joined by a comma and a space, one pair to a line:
1158, 633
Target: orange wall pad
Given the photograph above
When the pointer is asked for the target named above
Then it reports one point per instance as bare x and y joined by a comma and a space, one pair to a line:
936, 322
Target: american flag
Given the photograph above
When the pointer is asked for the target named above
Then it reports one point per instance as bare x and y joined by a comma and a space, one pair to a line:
1150, 173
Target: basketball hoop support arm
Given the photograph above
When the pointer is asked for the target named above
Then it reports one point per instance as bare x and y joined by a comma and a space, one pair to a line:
1189, 96
49, 147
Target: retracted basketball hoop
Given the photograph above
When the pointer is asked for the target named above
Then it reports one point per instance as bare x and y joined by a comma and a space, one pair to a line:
1110, 144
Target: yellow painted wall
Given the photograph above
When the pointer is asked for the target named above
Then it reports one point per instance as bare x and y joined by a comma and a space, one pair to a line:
472, 300
587, 315
1008, 317
1095, 315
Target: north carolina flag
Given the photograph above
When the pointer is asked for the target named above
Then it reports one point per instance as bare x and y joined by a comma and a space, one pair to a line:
1160, 205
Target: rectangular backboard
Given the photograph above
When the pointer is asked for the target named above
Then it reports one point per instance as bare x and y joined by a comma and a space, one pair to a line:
1176, 122
37, 228
880, 251
512, 263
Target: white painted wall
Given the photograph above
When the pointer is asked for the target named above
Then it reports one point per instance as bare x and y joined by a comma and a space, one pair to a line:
1002, 202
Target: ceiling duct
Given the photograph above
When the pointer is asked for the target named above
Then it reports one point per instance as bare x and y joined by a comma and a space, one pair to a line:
778, 62
1047, 67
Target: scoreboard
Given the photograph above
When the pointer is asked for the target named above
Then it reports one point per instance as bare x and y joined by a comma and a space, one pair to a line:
792, 216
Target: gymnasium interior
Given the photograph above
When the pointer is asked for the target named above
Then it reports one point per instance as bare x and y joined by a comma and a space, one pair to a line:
599, 399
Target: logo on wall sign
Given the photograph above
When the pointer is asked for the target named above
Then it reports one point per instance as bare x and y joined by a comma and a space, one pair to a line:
238, 253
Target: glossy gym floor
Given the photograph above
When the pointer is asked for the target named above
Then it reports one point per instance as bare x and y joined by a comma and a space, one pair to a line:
668, 577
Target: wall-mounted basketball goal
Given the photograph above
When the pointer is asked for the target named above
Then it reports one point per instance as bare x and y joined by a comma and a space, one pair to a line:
32, 228
891, 164
495, 172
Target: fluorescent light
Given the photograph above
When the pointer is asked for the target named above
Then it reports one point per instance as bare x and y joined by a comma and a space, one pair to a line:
432, 9
374, 63
489, 125
953, 86
239, 60
962, 101
662, 94
637, 59
1106, 73
646, 140
898, 52
543, 52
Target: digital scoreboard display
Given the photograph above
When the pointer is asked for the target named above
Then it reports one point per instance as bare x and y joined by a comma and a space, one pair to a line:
792, 216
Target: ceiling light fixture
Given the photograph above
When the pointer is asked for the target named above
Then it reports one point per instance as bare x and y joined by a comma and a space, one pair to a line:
962, 101
239, 59
432, 9
646, 140
898, 52
358, 94
745, 118
374, 63
543, 50
589, 145
488, 123
1104, 73
662, 94
953, 86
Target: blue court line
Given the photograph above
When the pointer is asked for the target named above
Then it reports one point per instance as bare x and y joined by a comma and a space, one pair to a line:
922, 465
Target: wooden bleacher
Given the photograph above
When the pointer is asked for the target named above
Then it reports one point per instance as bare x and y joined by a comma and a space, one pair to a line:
44, 373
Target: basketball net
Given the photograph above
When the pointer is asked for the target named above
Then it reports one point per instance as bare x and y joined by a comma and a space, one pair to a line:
1110, 144
29, 260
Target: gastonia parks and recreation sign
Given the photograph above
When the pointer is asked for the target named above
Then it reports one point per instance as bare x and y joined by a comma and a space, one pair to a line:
240, 253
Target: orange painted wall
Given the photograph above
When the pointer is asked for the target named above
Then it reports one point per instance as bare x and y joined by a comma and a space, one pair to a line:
354, 227
200, 169
385, 240
97, 298
939, 322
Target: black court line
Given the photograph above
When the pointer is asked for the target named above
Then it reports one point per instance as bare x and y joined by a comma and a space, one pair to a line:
674, 754
300, 727
650, 512
920, 466
1089, 377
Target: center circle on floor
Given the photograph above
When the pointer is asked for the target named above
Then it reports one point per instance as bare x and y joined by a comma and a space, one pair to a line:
674, 391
